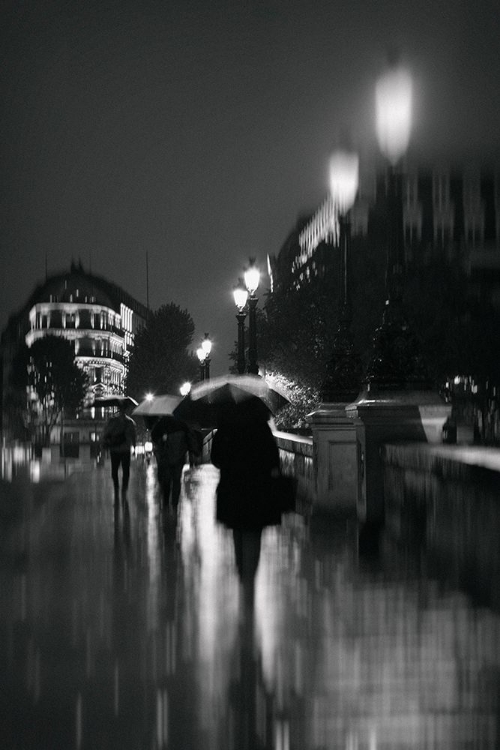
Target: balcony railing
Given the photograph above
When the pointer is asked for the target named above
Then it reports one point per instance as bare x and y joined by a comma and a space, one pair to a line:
85, 351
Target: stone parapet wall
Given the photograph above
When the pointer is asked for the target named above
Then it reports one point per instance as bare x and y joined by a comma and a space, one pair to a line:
447, 499
296, 455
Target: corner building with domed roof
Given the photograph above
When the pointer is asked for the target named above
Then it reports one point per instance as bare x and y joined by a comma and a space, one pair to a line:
99, 319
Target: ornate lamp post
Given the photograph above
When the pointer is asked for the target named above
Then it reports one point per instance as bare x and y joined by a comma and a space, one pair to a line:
343, 376
185, 388
252, 278
201, 356
335, 461
398, 403
206, 346
240, 300
396, 361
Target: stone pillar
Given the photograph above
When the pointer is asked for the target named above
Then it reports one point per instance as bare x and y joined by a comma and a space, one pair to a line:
334, 462
385, 416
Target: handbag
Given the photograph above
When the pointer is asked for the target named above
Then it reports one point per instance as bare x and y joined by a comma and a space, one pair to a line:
284, 489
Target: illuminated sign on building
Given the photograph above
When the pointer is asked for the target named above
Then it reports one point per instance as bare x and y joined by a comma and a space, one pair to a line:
323, 227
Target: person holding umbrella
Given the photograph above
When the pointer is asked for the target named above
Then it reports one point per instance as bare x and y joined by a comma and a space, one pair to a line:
119, 437
172, 440
247, 455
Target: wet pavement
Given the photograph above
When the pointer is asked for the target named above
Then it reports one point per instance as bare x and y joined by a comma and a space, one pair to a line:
123, 626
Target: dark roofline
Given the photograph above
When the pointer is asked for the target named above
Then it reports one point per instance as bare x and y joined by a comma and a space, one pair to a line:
116, 294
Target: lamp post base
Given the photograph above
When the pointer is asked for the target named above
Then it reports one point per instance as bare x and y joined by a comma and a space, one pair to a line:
334, 461
386, 416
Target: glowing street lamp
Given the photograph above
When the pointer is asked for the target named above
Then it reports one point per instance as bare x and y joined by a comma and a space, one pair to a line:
240, 294
185, 388
393, 101
206, 345
252, 279
396, 360
344, 179
399, 402
203, 354
343, 372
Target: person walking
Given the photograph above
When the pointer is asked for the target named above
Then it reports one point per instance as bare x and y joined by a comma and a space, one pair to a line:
119, 437
172, 440
247, 455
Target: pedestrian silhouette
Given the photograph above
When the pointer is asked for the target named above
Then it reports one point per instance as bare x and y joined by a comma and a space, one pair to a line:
246, 453
119, 437
172, 441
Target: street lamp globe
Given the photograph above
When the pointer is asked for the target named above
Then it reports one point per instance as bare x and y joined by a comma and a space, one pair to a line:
393, 99
149, 397
240, 295
252, 277
343, 370
344, 179
200, 353
185, 388
206, 345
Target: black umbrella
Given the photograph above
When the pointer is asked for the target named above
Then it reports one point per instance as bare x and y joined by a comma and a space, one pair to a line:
241, 397
115, 401
166, 426
196, 413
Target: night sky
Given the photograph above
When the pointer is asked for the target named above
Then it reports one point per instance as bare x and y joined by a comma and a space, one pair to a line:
197, 132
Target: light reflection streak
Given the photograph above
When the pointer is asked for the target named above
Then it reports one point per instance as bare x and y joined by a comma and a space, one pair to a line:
210, 567
116, 688
35, 471
153, 547
162, 718
354, 658
170, 648
88, 653
23, 582
281, 735
78, 721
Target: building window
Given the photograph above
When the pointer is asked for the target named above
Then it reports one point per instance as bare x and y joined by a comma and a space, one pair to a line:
411, 191
441, 190
71, 445
472, 193
474, 231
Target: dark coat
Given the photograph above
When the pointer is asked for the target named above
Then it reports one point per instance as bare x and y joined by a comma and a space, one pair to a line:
246, 453
172, 439
119, 434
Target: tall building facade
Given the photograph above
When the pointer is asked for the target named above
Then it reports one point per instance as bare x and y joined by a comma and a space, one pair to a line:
451, 218
99, 319
449, 212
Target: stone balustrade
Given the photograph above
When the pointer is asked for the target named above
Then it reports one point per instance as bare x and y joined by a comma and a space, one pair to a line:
296, 455
447, 499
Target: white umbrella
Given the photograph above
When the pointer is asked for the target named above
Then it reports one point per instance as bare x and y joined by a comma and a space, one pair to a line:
157, 406
115, 401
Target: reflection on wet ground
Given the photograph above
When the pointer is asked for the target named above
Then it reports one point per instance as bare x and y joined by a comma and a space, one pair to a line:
124, 626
